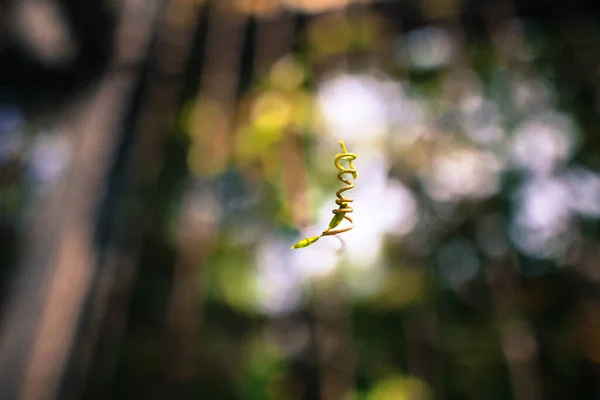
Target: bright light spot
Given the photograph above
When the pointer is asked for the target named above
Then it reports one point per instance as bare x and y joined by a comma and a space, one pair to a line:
463, 172
354, 107
428, 48
49, 156
543, 142
279, 285
540, 226
402, 210
457, 262
319, 260
584, 187
545, 205
408, 117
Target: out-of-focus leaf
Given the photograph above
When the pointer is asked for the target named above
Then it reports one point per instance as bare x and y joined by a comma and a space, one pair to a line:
270, 111
305, 242
399, 387
287, 74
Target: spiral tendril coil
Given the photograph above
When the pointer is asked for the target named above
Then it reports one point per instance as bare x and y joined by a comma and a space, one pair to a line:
344, 207
343, 203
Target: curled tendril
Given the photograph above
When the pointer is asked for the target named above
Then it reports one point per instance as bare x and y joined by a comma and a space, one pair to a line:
344, 208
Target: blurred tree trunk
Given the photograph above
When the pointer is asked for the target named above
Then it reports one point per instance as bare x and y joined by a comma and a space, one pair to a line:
219, 85
47, 300
153, 124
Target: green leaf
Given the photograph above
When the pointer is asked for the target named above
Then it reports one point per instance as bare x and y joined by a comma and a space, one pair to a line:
306, 242
336, 220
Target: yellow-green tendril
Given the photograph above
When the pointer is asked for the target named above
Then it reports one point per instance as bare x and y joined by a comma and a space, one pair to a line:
344, 208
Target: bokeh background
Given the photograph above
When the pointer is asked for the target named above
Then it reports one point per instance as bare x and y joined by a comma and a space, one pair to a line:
159, 158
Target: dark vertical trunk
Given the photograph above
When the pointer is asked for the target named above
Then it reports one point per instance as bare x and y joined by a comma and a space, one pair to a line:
48, 298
